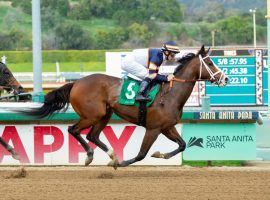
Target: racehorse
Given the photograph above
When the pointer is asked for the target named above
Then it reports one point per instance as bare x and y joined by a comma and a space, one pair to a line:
12, 86
95, 97
9, 83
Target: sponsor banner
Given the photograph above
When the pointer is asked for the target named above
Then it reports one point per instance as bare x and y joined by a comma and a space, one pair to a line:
226, 115
52, 145
220, 141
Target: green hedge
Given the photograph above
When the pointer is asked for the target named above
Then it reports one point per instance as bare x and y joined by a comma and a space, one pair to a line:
73, 56
58, 55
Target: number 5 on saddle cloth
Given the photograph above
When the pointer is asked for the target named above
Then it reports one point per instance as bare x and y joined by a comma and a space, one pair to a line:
128, 93
130, 89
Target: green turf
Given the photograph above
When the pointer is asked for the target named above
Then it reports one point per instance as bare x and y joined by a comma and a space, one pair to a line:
213, 163
64, 67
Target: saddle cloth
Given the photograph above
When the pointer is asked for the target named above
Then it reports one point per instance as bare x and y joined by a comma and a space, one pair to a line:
129, 90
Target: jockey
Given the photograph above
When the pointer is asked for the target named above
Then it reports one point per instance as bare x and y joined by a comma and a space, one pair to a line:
145, 63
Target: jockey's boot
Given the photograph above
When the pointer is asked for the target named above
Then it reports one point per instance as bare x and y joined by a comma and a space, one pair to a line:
142, 94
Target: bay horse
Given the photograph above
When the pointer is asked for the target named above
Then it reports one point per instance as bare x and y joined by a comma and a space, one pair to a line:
95, 97
9, 83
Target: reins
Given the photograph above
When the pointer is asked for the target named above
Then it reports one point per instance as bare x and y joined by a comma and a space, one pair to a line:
163, 93
11, 82
185, 81
4, 87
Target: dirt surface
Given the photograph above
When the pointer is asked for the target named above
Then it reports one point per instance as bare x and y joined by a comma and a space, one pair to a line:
72, 183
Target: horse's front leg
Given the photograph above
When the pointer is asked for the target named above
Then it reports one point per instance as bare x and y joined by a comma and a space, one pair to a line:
10, 149
149, 138
173, 135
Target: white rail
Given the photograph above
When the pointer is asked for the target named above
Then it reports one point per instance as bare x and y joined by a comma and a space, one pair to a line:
52, 76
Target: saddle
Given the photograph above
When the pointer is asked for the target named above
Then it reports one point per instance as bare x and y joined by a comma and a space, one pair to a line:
129, 90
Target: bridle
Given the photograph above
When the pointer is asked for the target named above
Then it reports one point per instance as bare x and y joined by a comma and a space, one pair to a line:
212, 75
202, 64
10, 89
13, 85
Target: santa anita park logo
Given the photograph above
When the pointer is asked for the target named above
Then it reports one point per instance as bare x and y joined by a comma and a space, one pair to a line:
218, 141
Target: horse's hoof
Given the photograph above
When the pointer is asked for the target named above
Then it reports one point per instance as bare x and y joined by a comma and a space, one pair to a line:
88, 161
15, 156
114, 163
156, 154
113, 156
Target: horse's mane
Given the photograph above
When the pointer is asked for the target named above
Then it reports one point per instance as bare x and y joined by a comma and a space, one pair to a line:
183, 62
2, 66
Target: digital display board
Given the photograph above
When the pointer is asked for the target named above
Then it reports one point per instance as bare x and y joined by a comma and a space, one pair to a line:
248, 80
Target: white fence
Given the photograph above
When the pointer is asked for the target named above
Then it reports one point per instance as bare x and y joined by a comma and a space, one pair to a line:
52, 76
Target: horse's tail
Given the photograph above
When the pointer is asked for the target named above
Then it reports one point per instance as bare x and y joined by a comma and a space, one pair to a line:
55, 100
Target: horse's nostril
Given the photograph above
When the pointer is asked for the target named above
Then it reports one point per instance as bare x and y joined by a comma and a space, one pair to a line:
226, 79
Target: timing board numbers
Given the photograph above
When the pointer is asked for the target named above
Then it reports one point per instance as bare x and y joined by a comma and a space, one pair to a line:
239, 69
235, 71
241, 88
239, 80
232, 61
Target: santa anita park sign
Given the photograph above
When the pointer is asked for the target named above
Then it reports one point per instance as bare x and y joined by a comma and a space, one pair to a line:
220, 141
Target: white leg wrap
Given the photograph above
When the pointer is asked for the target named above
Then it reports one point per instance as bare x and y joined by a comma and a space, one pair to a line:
110, 152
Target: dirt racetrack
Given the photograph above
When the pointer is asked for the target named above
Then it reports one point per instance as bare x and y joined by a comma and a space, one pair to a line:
79, 183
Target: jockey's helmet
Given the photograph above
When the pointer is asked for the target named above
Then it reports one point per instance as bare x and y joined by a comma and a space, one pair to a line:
170, 46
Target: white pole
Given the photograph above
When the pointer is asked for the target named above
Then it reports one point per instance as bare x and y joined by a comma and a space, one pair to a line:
37, 60
253, 11
254, 28
213, 37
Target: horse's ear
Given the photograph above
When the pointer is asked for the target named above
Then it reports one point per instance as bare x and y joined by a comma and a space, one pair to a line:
207, 51
202, 50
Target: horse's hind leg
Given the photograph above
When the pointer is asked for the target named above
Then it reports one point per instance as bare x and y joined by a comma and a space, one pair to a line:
173, 135
10, 149
75, 132
149, 138
94, 134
